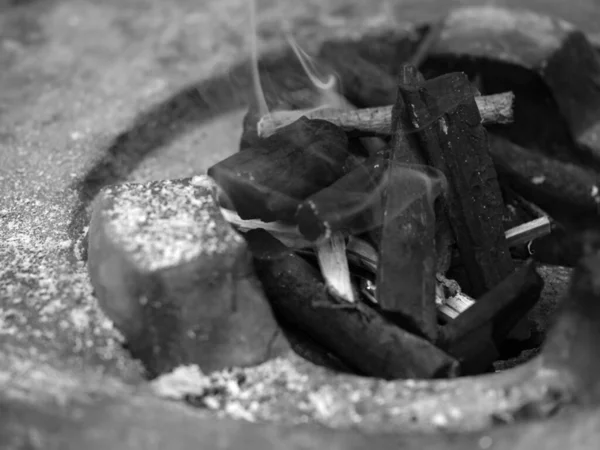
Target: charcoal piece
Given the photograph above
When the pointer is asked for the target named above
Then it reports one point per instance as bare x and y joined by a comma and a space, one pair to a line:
552, 67
406, 267
420, 115
501, 308
475, 204
478, 336
268, 182
357, 334
352, 204
571, 345
567, 192
177, 280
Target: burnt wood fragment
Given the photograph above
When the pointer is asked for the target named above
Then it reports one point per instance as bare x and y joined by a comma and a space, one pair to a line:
357, 334
354, 203
420, 116
407, 264
475, 204
475, 336
268, 182
501, 307
567, 192
350, 205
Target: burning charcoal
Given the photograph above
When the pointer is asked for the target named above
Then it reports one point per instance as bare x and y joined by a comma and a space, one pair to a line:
354, 332
572, 343
494, 109
268, 182
551, 66
176, 279
406, 269
567, 192
475, 204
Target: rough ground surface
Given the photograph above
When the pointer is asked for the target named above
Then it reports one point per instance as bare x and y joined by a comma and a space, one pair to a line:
94, 92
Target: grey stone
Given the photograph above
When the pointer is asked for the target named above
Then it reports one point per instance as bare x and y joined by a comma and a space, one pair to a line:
176, 279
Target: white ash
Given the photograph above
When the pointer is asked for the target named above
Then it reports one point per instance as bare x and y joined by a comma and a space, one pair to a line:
290, 390
181, 382
161, 224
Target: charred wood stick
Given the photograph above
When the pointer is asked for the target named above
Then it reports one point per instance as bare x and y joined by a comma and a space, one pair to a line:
357, 334
352, 204
429, 154
476, 334
501, 308
494, 109
268, 182
475, 204
406, 269
570, 194
567, 192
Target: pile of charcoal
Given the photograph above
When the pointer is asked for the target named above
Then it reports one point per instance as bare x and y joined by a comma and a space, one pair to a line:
401, 233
